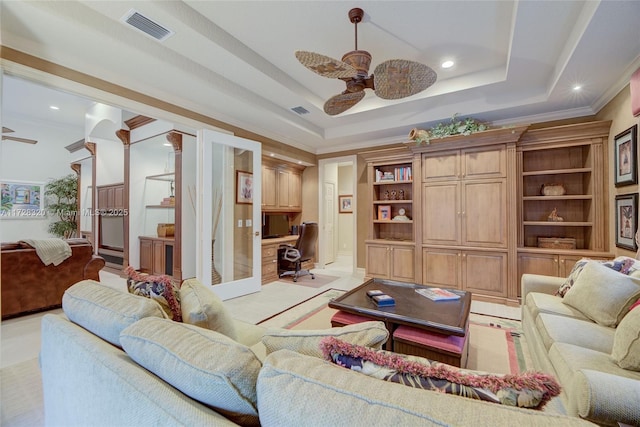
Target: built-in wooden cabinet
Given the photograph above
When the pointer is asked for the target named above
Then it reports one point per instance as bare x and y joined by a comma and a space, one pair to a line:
480, 271
390, 246
269, 262
391, 261
464, 197
110, 197
156, 255
281, 187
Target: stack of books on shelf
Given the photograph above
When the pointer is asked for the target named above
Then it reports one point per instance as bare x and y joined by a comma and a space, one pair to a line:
403, 174
384, 176
168, 201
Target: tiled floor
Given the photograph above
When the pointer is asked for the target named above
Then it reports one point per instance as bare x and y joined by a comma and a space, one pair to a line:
20, 338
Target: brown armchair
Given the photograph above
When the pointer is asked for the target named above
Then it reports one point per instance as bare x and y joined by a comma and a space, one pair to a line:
290, 258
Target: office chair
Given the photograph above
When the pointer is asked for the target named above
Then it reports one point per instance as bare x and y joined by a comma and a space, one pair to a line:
291, 257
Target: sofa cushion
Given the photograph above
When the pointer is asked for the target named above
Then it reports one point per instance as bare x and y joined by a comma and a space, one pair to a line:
159, 288
531, 389
370, 334
104, 311
603, 294
205, 365
537, 303
626, 342
294, 389
584, 333
202, 307
568, 359
625, 265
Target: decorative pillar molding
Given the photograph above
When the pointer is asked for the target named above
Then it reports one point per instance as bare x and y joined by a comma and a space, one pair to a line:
125, 136
175, 139
91, 146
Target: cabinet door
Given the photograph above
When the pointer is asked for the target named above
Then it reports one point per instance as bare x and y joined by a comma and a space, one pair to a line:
118, 197
403, 263
295, 190
146, 256
485, 273
484, 213
483, 163
441, 267
103, 198
441, 167
269, 180
545, 264
441, 213
378, 261
283, 189
158, 257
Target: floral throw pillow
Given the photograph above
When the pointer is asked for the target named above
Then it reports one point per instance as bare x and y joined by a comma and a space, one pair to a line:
158, 288
529, 389
625, 265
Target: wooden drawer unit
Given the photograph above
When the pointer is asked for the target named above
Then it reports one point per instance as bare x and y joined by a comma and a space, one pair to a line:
269, 263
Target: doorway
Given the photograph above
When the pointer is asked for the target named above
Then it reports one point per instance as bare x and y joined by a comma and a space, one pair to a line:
338, 212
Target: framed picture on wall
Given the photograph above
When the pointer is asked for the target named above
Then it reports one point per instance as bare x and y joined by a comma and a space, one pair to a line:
244, 187
626, 220
22, 200
345, 204
624, 155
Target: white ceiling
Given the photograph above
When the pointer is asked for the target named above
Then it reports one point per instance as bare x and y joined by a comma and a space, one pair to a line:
515, 61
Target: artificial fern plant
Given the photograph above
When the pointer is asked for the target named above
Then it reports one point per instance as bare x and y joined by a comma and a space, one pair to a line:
62, 194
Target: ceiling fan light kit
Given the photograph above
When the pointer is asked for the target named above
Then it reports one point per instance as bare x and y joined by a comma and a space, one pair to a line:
392, 79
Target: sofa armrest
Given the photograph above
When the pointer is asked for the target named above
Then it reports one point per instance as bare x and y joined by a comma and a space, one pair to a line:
93, 267
539, 283
607, 398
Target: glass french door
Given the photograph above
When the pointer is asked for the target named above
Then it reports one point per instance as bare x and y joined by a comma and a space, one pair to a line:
228, 214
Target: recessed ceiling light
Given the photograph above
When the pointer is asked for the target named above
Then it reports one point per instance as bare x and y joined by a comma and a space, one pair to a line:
447, 64
53, 107
272, 155
577, 87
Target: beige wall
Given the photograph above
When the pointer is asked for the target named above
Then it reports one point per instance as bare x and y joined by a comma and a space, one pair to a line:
618, 110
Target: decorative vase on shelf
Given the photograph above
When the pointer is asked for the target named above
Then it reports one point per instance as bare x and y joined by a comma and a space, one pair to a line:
216, 278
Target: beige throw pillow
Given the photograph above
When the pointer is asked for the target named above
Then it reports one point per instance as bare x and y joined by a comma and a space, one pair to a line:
368, 334
626, 341
602, 294
205, 365
104, 311
202, 307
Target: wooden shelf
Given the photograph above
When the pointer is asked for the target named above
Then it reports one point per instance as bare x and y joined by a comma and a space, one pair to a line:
557, 171
391, 202
392, 182
555, 198
558, 223
380, 221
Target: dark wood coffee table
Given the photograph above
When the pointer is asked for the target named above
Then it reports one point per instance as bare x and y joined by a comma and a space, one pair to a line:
448, 318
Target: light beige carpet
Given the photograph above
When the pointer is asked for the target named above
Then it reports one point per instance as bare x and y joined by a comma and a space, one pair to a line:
496, 345
319, 281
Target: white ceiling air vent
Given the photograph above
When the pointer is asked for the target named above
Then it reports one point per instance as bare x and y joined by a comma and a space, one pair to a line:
146, 25
300, 110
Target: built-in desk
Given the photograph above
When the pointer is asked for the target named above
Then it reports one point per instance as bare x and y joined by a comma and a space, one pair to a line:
270, 256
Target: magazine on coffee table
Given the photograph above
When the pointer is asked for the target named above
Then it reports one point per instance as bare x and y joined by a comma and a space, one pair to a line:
437, 294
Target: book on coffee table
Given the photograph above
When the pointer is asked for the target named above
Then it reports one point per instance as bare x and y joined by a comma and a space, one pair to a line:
438, 294
383, 300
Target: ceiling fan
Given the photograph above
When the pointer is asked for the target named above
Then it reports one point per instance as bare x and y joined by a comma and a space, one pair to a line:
15, 138
392, 79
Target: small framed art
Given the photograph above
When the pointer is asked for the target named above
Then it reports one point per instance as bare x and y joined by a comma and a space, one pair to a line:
625, 152
22, 200
626, 220
384, 213
244, 187
345, 204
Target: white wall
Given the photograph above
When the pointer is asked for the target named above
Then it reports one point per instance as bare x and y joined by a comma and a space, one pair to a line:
41, 162
345, 220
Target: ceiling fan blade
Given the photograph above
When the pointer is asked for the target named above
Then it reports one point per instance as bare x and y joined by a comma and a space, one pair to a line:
325, 66
399, 78
340, 103
7, 130
15, 138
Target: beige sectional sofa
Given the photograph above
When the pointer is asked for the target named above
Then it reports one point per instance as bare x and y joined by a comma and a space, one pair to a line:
92, 360
584, 355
